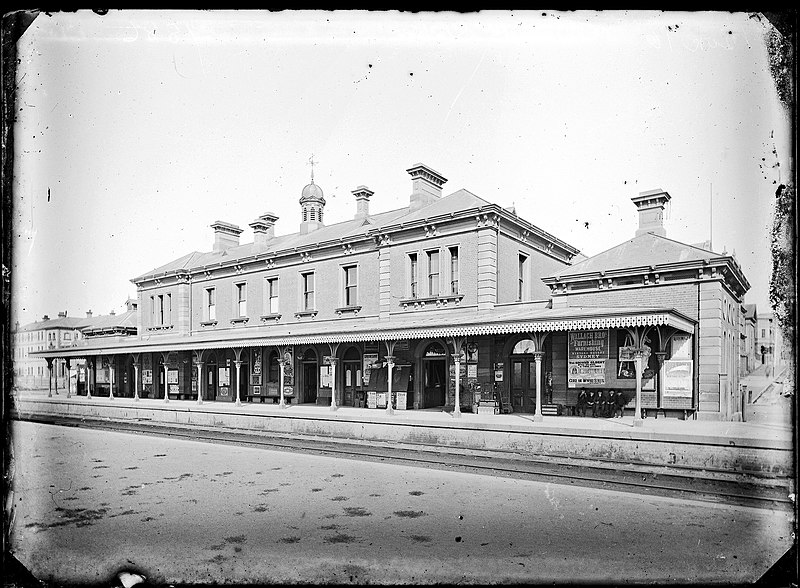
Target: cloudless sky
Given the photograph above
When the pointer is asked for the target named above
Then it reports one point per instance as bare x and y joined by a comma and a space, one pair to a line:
138, 129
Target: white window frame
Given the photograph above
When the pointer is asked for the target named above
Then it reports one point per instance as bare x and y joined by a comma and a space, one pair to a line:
437, 282
412, 274
305, 304
347, 300
457, 272
211, 303
271, 295
240, 299
523, 269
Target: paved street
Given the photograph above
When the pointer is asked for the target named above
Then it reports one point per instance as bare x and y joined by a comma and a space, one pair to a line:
89, 503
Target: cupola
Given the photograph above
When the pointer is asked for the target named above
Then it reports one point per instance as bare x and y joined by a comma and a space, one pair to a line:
312, 202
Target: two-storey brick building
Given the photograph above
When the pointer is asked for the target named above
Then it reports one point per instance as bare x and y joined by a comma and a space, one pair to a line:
453, 302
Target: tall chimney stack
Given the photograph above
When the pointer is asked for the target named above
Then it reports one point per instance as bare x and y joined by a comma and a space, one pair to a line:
88, 314
426, 185
651, 211
226, 235
264, 228
362, 194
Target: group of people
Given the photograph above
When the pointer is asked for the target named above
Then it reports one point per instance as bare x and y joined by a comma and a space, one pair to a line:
602, 403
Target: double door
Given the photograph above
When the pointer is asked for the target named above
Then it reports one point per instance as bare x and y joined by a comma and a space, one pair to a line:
523, 384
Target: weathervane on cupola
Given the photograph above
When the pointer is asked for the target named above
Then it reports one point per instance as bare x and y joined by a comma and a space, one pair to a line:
312, 202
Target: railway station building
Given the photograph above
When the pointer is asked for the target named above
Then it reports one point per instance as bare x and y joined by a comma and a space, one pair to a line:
447, 303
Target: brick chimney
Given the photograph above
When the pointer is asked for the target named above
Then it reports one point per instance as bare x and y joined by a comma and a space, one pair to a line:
45, 318
651, 211
362, 194
264, 228
226, 235
426, 185
62, 314
88, 314
112, 313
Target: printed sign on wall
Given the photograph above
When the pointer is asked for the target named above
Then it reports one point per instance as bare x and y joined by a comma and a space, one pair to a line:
172, 376
587, 344
147, 376
586, 371
678, 377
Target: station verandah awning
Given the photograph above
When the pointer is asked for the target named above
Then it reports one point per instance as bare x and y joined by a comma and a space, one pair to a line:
443, 323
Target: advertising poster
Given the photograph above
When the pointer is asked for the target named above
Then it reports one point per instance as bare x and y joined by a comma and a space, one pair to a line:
288, 371
147, 377
256, 362
325, 379
372, 399
678, 376
402, 400
224, 376
586, 371
256, 390
172, 376
369, 360
587, 345
173, 389
587, 352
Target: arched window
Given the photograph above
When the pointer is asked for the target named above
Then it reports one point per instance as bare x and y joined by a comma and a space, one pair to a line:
435, 350
309, 355
526, 346
352, 354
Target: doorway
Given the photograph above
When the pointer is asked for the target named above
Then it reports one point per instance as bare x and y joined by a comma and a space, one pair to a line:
434, 382
351, 379
309, 372
523, 377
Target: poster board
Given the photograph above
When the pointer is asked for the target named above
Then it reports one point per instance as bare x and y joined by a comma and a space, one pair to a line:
370, 359
678, 378
587, 352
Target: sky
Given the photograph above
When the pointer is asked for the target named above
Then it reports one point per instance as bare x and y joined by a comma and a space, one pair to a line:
138, 129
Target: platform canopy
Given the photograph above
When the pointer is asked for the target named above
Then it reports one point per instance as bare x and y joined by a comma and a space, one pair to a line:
440, 323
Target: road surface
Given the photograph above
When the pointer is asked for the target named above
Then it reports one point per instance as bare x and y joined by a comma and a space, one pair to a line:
90, 503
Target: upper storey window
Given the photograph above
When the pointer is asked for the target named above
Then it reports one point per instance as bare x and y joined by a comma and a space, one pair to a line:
308, 291
241, 299
211, 304
433, 273
453, 270
350, 285
272, 295
413, 275
522, 270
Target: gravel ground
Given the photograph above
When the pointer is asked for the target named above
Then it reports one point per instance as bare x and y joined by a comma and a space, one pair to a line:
90, 503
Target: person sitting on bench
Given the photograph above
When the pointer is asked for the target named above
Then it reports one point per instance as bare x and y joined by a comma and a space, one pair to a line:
591, 402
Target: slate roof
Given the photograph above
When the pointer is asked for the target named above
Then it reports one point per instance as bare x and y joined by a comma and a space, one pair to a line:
750, 311
68, 322
111, 321
642, 251
353, 228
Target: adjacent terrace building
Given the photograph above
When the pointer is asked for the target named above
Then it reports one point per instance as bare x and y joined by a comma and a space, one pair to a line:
448, 303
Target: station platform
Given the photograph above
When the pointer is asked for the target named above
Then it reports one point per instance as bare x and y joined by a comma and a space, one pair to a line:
754, 448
